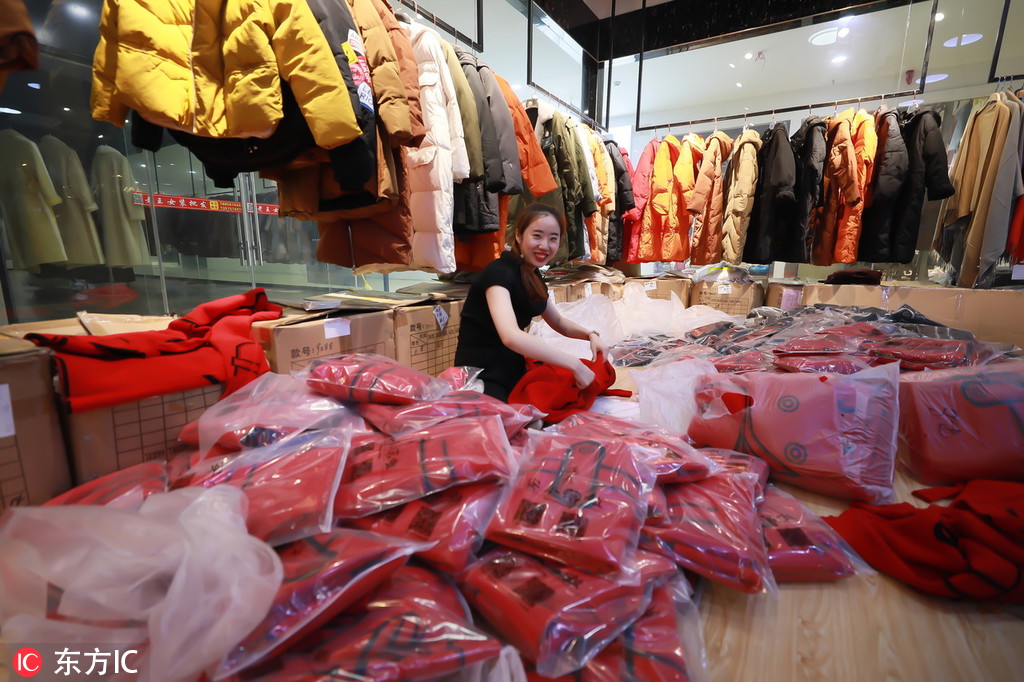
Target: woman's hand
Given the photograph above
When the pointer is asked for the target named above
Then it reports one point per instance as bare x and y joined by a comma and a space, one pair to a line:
583, 374
597, 345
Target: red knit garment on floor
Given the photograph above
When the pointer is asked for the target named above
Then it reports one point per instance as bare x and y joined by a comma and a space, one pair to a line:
972, 549
213, 344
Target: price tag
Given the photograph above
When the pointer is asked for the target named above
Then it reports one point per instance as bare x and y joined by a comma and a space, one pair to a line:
1018, 272
6, 412
441, 316
724, 289
339, 326
650, 286
588, 289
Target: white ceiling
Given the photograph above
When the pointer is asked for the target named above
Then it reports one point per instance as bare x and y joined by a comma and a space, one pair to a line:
602, 9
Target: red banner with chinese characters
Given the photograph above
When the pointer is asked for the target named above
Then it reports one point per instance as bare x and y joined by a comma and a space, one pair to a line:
201, 204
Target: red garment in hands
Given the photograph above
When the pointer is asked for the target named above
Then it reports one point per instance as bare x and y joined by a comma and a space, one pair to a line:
553, 390
973, 549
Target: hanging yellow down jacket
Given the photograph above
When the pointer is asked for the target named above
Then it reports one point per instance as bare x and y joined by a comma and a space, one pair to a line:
213, 68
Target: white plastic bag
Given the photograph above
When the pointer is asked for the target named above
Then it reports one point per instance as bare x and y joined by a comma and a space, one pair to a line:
593, 312
666, 393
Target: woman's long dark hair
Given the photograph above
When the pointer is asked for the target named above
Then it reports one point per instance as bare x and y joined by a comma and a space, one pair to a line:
535, 289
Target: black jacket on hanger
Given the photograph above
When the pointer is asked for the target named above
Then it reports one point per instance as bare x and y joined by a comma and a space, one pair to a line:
623, 201
773, 221
891, 164
927, 170
810, 150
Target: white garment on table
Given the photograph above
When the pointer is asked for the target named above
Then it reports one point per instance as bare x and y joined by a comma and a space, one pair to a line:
74, 212
124, 239
27, 198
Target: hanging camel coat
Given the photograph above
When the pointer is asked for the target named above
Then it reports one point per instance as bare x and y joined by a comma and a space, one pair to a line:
707, 204
74, 212
848, 225
840, 188
742, 183
407, 70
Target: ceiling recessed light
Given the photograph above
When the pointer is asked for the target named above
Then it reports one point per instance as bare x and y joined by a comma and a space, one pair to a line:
839, 59
6, 110
843, 32
749, 55
731, 65
99, 137
67, 108
965, 39
739, 85
142, 165
910, 102
78, 10
933, 78
939, 16
34, 86
825, 36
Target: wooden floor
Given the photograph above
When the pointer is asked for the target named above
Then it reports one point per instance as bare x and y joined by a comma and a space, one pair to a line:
862, 629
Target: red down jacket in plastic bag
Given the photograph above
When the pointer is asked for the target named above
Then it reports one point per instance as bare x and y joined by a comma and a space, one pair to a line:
416, 627
558, 617
454, 519
828, 433
371, 378
577, 500
713, 529
386, 472
148, 478
962, 424
396, 420
924, 353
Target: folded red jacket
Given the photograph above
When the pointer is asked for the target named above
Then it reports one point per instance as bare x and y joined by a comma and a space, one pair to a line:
828, 433
963, 424
714, 531
557, 617
149, 477
814, 344
386, 472
213, 344
414, 627
676, 460
372, 378
748, 361
553, 390
576, 500
323, 576
739, 463
396, 420
916, 353
454, 518
801, 547
838, 363
972, 549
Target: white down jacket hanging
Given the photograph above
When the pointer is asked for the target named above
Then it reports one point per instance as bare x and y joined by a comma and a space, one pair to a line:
439, 162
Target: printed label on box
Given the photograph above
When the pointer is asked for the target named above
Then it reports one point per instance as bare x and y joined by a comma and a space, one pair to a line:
6, 412
724, 289
341, 326
587, 289
441, 316
650, 286
791, 298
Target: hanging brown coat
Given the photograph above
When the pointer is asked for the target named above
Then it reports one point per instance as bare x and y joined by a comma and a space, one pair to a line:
708, 202
839, 187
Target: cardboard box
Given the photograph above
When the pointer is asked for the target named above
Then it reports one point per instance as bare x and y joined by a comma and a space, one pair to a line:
294, 341
113, 438
990, 314
566, 292
784, 295
664, 287
612, 290
33, 459
108, 323
729, 297
426, 336
69, 327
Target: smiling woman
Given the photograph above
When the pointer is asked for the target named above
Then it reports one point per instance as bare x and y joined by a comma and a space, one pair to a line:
503, 300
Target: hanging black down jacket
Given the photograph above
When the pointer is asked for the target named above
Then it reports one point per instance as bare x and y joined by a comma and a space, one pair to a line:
891, 164
927, 170
773, 221
623, 201
810, 150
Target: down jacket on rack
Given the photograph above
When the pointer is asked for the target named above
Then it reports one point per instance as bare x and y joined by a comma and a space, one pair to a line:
810, 150
742, 184
214, 68
707, 203
773, 224
891, 164
632, 220
840, 189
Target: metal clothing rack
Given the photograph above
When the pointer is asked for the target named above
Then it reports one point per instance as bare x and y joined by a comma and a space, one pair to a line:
477, 43
992, 77
571, 109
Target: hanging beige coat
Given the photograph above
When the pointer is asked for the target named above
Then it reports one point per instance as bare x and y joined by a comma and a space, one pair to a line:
26, 199
708, 202
742, 183
124, 238
74, 212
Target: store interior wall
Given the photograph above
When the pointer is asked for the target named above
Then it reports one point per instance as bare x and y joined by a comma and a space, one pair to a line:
205, 254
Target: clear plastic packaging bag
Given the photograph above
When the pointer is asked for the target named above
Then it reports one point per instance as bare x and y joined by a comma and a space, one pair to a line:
453, 520
387, 472
925, 353
714, 531
149, 478
372, 378
323, 575
828, 433
747, 361
577, 500
820, 343
740, 463
664, 391
657, 507
963, 424
183, 566
802, 547
837, 363
558, 617
462, 378
265, 411
675, 460
415, 627
398, 420
655, 569
291, 485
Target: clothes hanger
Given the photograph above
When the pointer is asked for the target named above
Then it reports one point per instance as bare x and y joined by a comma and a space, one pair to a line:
773, 116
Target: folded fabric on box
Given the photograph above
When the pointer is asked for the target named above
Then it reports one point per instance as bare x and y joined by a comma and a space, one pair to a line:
211, 345
965, 423
553, 389
972, 549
